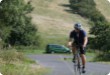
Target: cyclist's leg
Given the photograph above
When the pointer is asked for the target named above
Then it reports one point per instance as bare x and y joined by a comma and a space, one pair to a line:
83, 57
74, 50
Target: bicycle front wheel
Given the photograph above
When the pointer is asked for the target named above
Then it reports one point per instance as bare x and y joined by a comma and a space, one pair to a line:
77, 66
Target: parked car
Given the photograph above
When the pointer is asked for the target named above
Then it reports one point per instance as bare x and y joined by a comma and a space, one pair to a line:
55, 48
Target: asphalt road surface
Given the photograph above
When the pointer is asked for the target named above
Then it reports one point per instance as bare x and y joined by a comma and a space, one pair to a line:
59, 66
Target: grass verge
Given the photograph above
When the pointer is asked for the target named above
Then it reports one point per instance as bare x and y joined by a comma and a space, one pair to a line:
33, 51
102, 58
11, 69
90, 56
29, 50
15, 63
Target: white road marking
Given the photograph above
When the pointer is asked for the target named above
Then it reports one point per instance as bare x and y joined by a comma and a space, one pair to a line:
0, 1
1, 74
108, 74
109, 0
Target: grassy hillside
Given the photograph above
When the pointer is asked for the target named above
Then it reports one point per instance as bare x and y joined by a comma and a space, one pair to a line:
104, 7
55, 20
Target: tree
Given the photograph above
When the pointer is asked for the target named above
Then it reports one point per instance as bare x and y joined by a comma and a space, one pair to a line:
101, 27
15, 24
102, 35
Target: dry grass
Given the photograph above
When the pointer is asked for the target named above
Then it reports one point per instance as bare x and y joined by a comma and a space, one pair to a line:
51, 14
104, 7
15, 63
53, 21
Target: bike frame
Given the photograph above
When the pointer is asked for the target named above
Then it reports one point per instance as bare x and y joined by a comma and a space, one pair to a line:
77, 64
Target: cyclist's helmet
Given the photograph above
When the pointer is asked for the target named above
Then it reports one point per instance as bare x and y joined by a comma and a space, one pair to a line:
77, 26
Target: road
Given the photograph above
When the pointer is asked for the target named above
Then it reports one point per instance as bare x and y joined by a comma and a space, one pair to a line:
59, 66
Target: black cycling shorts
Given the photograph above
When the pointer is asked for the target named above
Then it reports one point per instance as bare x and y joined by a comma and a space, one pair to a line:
81, 48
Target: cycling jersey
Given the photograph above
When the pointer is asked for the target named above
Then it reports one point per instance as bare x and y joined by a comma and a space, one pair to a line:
78, 36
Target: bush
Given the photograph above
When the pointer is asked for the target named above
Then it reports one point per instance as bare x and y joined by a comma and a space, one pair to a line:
83, 7
102, 57
16, 27
10, 56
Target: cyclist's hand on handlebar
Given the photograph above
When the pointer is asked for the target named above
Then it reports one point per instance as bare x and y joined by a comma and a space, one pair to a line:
83, 46
69, 44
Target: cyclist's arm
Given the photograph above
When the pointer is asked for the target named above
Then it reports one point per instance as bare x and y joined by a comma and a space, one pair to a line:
71, 36
70, 42
85, 41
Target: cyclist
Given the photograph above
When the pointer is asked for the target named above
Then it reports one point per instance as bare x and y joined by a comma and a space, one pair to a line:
78, 37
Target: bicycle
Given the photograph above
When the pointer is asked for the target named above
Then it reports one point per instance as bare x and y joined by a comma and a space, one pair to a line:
77, 64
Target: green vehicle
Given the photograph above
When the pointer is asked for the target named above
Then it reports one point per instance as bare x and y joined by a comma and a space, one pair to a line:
55, 48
